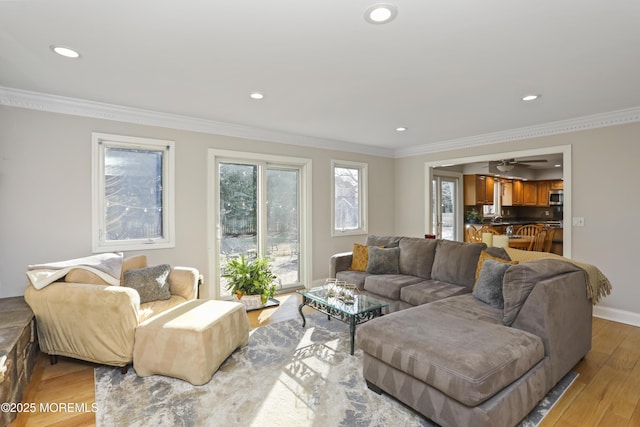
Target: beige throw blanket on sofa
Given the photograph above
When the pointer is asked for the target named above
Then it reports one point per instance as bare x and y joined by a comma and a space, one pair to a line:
598, 286
107, 266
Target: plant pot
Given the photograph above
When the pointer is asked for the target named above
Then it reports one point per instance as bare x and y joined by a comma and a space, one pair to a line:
250, 301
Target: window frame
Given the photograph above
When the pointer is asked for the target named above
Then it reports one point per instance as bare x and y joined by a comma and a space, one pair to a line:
305, 167
363, 219
100, 141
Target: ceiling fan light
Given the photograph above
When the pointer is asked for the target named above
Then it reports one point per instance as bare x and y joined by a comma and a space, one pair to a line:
504, 167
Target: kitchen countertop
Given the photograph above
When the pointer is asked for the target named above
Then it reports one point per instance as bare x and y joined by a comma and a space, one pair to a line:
551, 223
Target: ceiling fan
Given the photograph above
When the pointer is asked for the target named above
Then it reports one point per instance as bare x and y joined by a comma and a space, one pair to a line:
508, 164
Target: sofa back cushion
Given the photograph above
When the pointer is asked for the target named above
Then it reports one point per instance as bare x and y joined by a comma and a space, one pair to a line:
416, 256
520, 279
456, 262
383, 241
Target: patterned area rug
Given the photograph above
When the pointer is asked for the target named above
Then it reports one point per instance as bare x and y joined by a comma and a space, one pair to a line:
286, 376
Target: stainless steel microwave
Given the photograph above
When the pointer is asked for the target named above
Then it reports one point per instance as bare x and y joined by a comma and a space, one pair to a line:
556, 198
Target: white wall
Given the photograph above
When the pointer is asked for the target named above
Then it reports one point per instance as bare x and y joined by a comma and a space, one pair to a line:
605, 163
45, 195
45, 192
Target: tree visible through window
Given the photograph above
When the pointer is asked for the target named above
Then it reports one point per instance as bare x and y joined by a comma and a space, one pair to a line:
349, 197
132, 195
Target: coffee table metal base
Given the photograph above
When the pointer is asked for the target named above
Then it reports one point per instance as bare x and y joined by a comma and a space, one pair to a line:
350, 319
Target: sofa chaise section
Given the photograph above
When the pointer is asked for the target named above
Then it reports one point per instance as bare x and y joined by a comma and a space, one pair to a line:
459, 361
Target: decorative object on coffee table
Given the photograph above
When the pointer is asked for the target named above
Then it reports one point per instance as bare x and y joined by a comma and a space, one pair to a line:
250, 281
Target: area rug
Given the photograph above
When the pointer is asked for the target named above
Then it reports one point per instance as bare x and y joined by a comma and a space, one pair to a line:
286, 376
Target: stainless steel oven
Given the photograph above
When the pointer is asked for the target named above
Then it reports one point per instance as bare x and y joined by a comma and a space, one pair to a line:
556, 198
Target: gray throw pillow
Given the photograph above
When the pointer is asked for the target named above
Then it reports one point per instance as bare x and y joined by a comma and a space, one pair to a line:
151, 282
383, 260
488, 289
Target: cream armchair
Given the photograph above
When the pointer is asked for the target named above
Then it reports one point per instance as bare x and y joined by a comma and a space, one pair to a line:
97, 323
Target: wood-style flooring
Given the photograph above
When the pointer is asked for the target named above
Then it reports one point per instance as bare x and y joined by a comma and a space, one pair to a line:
607, 392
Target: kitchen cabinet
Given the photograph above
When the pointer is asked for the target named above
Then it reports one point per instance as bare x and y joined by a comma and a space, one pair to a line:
506, 189
530, 193
489, 182
478, 190
518, 193
557, 184
543, 193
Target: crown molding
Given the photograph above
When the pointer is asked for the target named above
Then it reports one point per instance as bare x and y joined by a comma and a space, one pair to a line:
613, 118
79, 107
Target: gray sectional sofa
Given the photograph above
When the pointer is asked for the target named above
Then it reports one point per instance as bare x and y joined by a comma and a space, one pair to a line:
449, 354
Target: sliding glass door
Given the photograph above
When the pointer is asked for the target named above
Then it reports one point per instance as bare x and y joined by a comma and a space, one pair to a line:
259, 214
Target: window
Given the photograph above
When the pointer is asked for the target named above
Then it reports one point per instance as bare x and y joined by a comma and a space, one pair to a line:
132, 193
349, 197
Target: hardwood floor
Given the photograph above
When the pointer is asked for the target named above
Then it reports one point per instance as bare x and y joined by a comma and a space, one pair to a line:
607, 392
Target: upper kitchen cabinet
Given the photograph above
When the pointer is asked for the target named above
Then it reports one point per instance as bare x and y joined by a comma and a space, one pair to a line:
518, 193
556, 185
506, 188
512, 192
478, 190
543, 193
530, 193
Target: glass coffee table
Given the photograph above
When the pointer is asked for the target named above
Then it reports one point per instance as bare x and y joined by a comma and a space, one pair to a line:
354, 312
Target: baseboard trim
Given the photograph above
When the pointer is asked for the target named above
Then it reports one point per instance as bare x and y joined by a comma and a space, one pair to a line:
621, 316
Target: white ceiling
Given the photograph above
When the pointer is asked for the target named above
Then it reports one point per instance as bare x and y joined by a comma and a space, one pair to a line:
447, 70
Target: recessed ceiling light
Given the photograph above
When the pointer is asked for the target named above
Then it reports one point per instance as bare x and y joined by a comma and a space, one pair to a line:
65, 51
380, 13
401, 129
256, 95
557, 166
530, 97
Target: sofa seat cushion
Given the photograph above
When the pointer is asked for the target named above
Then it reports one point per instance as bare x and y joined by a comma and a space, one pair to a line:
355, 277
150, 309
389, 285
468, 307
430, 290
468, 360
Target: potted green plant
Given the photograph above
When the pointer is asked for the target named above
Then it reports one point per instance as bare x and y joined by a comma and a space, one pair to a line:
472, 216
250, 277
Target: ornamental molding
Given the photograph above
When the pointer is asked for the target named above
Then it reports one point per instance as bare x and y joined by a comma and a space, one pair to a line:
613, 118
79, 107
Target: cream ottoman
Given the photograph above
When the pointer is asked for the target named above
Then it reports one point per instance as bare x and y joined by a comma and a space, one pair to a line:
190, 341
